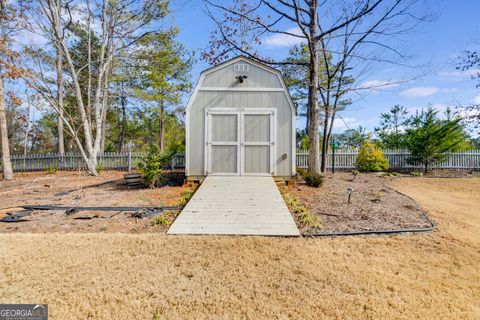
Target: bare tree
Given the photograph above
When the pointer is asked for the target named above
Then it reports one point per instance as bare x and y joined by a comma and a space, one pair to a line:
336, 35
10, 22
59, 69
6, 163
119, 25
470, 62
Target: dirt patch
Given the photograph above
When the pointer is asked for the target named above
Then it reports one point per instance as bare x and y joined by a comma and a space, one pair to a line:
78, 189
453, 174
373, 205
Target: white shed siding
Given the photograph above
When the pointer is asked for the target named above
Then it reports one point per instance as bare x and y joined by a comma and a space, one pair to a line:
219, 89
257, 78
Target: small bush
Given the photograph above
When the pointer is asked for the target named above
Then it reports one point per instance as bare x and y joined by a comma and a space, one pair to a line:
370, 158
52, 170
166, 219
185, 196
416, 174
313, 179
99, 168
301, 172
303, 216
151, 166
354, 174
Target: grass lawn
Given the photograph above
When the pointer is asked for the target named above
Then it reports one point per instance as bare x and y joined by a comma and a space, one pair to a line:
154, 276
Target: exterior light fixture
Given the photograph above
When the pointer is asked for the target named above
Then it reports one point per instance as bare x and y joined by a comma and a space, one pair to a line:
241, 78
349, 192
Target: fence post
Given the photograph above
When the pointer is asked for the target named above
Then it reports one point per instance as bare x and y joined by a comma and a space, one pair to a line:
129, 160
172, 163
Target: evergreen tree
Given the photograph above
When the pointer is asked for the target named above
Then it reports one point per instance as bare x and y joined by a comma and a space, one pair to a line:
354, 137
163, 76
390, 131
430, 138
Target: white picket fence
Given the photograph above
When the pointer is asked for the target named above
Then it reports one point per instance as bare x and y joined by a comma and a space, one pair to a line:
74, 161
345, 160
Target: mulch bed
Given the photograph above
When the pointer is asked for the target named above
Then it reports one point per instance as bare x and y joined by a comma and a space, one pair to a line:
373, 205
76, 189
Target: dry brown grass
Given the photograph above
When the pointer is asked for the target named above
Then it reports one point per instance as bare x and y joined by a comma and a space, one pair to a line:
153, 276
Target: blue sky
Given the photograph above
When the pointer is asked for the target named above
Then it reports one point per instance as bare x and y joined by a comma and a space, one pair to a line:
434, 45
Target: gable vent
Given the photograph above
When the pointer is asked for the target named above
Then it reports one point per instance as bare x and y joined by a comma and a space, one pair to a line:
240, 67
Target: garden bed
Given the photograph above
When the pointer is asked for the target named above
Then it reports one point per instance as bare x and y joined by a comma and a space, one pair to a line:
77, 189
373, 205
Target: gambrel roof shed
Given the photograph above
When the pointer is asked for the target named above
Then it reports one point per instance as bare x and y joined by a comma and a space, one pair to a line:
240, 120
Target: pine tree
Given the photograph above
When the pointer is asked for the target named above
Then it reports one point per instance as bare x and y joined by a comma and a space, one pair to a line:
390, 130
430, 138
163, 75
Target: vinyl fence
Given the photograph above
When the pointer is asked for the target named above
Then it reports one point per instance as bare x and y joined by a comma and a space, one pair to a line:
74, 161
345, 160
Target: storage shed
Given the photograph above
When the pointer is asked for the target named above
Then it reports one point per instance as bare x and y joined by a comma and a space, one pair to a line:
240, 120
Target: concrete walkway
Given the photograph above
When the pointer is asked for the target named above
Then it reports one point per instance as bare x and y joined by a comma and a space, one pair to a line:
236, 205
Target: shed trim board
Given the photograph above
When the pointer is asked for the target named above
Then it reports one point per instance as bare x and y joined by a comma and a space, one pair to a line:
240, 142
198, 88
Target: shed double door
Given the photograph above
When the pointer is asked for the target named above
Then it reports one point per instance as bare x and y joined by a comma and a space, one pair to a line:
240, 142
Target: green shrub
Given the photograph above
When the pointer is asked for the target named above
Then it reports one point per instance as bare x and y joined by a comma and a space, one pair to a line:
99, 168
151, 166
416, 174
302, 215
164, 221
52, 170
370, 158
185, 196
313, 179
301, 172
355, 174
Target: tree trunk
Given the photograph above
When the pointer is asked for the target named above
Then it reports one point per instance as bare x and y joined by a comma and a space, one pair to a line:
6, 162
59, 66
325, 139
104, 132
162, 126
313, 111
121, 138
104, 117
27, 129
307, 121
91, 163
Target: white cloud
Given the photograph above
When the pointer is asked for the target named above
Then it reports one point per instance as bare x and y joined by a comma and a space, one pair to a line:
378, 85
459, 74
426, 91
285, 40
345, 122
420, 91
450, 90
476, 100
